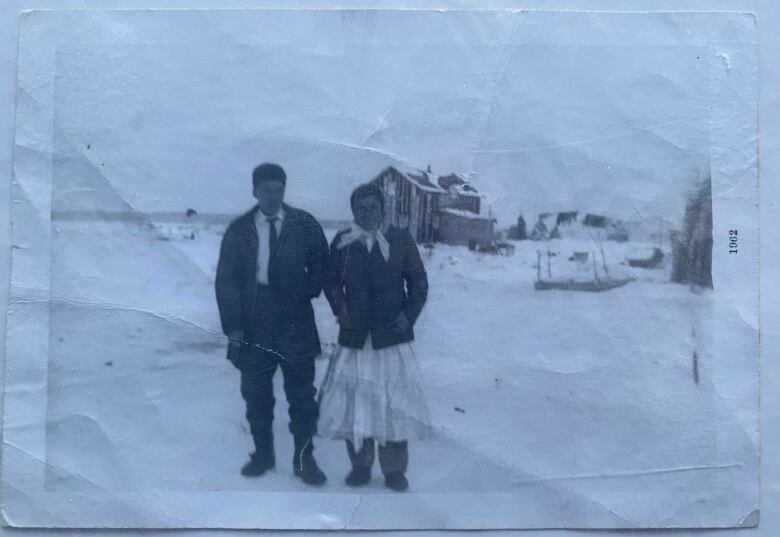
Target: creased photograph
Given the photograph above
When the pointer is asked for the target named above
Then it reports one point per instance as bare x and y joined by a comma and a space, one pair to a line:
384, 269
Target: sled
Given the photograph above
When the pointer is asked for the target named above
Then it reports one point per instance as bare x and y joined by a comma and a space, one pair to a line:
602, 282
594, 285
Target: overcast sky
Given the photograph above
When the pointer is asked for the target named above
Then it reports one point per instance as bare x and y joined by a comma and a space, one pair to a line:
539, 116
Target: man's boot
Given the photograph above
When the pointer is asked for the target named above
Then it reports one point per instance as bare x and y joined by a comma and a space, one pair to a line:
304, 465
262, 460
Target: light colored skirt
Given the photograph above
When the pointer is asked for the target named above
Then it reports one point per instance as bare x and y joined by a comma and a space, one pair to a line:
373, 393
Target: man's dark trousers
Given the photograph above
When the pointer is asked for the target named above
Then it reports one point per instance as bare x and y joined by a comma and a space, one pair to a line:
257, 371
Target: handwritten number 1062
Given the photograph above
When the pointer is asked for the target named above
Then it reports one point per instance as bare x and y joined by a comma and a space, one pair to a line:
733, 241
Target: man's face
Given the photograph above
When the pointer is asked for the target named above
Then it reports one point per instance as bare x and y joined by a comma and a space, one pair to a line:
269, 195
368, 213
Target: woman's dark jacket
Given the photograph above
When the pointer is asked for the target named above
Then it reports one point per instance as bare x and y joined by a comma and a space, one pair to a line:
376, 291
295, 275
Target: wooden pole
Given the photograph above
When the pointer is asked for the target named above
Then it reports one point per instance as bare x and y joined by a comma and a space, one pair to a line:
538, 265
549, 272
603, 260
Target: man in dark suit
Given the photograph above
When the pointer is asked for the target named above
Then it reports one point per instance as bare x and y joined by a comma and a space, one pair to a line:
270, 268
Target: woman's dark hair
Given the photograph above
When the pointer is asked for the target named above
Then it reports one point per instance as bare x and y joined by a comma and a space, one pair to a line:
367, 190
268, 172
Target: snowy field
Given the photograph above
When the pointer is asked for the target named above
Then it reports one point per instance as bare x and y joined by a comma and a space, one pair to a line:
584, 403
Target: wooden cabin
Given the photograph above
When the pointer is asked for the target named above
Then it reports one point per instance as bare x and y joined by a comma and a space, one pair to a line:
444, 209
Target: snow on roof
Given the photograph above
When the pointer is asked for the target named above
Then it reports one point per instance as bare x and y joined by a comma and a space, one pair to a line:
419, 178
463, 213
457, 182
463, 192
423, 180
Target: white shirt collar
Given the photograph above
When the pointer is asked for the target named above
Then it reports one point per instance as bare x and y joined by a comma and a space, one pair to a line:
356, 233
262, 218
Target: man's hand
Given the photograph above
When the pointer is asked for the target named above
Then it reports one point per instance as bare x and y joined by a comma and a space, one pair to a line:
344, 320
234, 347
401, 324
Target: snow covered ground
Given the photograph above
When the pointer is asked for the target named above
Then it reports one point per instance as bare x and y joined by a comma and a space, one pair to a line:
584, 403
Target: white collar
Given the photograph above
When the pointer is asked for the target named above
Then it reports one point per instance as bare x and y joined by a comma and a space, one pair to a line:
355, 233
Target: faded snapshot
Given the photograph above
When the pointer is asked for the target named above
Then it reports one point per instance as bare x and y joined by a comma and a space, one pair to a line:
385, 270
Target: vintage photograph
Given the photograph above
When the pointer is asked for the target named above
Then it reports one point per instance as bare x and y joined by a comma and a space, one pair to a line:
384, 269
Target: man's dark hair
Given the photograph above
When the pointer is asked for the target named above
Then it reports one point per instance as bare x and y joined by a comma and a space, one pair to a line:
367, 190
268, 172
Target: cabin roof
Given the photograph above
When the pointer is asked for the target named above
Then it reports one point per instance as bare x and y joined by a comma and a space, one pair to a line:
463, 213
424, 180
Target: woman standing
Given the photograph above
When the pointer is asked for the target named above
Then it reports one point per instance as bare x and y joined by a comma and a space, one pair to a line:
376, 285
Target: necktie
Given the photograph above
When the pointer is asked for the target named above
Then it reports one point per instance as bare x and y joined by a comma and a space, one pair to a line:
273, 236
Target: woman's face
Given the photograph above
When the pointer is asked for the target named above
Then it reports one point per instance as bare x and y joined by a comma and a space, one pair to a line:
368, 212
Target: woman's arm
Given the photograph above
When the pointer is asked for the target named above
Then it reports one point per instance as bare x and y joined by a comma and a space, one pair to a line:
415, 277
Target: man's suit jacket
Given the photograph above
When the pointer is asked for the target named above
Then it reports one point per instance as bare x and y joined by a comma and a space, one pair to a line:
295, 275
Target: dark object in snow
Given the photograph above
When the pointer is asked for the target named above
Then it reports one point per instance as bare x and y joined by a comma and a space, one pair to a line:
593, 220
518, 231
616, 231
458, 409
692, 246
191, 212
566, 218
650, 261
179, 232
109, 363
540, 230
497, 248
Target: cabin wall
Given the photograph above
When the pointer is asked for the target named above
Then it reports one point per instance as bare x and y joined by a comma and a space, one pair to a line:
467, 203
408, 206
454, 229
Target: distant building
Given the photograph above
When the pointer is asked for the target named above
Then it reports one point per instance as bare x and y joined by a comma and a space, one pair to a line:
543, 228
518, 231
615, 229
564, 218
435, 209
569, 225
